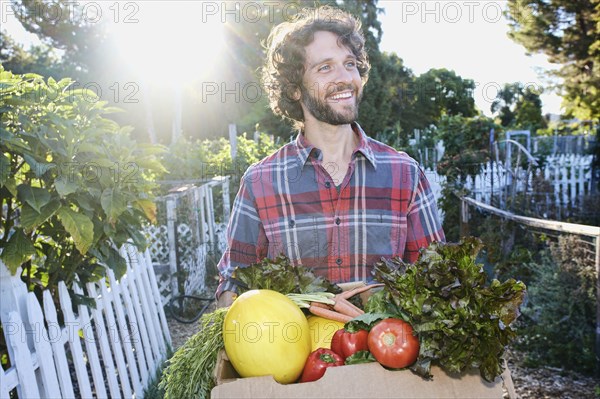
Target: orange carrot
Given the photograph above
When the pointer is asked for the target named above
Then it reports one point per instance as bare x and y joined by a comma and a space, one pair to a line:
349, 294
329, 314
320, 305
344, 306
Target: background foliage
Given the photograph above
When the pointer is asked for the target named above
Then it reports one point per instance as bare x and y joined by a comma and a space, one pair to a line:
559, 328
569, 34
74, 186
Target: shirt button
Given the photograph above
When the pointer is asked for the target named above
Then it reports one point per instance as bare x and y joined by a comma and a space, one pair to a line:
327, 184
338, 261
292, 223
337, 221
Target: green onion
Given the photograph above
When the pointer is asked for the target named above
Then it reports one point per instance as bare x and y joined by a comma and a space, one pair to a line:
189, 373
304, 300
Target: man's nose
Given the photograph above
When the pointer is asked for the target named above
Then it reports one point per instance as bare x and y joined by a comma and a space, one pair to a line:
344, 75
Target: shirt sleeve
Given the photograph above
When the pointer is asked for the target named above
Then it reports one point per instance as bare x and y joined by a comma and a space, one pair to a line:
246, 238
423, 223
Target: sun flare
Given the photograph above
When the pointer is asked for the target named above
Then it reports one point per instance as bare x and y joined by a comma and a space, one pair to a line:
170, 43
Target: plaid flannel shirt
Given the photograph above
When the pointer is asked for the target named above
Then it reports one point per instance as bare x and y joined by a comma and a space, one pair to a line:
288, 203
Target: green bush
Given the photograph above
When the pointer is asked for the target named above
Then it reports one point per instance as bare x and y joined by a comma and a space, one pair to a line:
466, 143
559, 317
74, 187
205, 159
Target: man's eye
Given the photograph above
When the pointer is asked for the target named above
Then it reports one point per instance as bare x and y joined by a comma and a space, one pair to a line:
351, 64
324, 68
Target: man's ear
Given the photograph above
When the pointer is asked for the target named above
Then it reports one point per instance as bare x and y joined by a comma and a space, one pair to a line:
293, 93
297, 94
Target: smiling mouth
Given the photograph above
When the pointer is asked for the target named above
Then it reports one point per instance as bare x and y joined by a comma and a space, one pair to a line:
340, 96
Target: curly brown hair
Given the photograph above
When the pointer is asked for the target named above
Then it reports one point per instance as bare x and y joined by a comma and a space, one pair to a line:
284, 68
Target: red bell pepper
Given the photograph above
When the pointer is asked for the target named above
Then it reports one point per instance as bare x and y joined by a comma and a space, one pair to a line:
317, 362
346, 343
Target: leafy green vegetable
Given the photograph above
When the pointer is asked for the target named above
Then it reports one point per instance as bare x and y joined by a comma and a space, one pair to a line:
461, 321
366, 321
360, 357
281, 275
189, 373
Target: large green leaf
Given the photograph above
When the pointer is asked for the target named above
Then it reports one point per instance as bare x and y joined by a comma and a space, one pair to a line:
110, 257
31, 219
18, 250
79, 226
34, 196
11, 186
113, 203
65, 186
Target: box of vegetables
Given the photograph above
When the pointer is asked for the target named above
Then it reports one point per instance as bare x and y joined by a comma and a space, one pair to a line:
435, 328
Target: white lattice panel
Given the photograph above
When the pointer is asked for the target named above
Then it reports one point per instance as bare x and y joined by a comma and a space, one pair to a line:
159, 244
164, 287
197, 271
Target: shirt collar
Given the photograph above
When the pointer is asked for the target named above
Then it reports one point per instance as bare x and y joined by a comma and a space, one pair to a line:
364, 147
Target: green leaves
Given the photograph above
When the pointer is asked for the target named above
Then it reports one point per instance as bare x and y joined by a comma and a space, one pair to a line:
18, 250
69, 182
65, 186
461, 320
34, 196
79, 226
113, 203
31, 219
366, 321
281, 275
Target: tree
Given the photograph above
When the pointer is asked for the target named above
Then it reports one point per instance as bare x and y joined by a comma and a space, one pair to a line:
518, 106
74, 186
441, 92
42, 59
568, 32
466, 142
59, 27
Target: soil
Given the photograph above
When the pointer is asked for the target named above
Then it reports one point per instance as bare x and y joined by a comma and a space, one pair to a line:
538, 383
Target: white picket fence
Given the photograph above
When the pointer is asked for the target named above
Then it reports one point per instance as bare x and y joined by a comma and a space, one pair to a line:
569, 176
111, 350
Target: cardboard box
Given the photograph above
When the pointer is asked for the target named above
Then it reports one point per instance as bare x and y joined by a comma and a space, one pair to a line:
369, 380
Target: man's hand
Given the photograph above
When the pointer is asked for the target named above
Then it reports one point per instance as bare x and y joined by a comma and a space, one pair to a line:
226, 299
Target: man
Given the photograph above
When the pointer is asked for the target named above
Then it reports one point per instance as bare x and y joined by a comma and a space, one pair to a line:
334, 199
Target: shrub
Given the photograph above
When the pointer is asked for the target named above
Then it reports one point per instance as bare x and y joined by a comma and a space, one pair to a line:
205, 159
74, 187
559, 317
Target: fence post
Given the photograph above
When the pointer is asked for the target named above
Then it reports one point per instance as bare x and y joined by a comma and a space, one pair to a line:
171, 217
464, 218
226, 205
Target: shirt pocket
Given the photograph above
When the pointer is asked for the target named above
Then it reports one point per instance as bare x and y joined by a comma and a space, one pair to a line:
386, 233
296, 237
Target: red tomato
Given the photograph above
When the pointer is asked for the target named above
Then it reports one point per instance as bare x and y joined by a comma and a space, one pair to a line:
392, 343
345, 343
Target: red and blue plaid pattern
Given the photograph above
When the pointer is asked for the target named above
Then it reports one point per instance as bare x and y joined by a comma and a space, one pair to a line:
288, 203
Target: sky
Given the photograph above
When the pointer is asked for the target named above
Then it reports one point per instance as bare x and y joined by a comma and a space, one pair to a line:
469, 37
